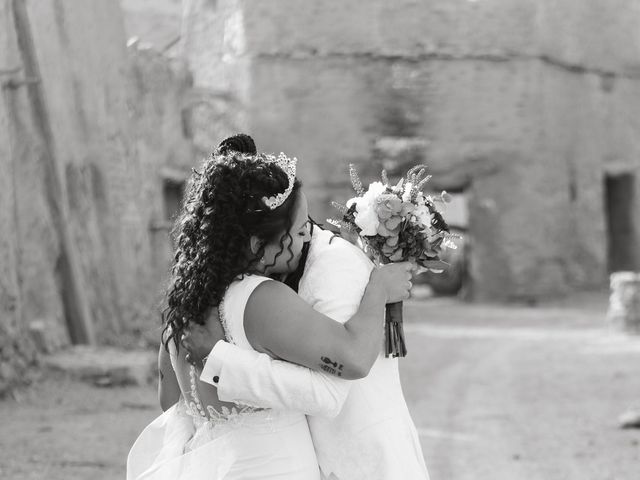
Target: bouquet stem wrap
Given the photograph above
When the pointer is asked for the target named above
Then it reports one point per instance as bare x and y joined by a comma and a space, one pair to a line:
394, 345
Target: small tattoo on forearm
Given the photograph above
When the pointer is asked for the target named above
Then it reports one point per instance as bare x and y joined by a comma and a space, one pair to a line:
330, 366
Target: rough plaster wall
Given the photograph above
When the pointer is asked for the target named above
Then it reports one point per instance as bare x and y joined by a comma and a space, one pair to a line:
354, 104
591, 103
153, 22
591, 34
404, 28
162, 90
321, 112
10, 306
470, 115
597, 35
116, 121
92, 100
112, 120
81, 95
214, 47
524, 104
28, 248
9, 288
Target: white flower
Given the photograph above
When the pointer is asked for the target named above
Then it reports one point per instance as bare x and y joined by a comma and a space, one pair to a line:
423, 215
375, 190
366, 217
406, 194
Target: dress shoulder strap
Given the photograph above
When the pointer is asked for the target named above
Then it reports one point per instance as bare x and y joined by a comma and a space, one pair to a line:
233, 306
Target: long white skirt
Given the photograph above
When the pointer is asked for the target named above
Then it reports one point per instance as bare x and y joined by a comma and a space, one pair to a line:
258, 445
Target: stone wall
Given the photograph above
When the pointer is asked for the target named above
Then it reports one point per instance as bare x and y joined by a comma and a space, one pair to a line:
213, 47
155, 23
91, 132
524, 106
162, 141
29, 245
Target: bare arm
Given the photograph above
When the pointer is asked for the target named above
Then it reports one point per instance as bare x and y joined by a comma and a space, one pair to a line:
168, 388
280, 323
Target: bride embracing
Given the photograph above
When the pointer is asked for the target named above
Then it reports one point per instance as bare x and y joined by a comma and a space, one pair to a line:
245, 221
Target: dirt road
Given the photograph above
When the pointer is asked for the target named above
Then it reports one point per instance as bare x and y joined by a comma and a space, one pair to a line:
532, 394
497, 393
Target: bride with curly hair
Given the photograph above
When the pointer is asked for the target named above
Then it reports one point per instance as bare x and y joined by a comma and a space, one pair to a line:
244, 223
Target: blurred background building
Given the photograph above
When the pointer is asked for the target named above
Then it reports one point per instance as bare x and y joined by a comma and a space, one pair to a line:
529, 109
526, 110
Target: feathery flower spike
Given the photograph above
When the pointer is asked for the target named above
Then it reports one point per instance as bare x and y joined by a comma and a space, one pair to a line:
355, 180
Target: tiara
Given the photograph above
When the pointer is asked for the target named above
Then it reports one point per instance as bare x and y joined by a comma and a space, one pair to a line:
288, 166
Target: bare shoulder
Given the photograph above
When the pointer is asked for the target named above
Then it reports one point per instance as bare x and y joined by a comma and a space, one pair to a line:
269, 295
269, 313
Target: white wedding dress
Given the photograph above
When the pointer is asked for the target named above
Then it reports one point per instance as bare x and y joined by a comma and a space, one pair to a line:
192, 441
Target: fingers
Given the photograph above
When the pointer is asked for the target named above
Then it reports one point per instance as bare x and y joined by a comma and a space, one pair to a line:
408, 270
398, 279
407, 293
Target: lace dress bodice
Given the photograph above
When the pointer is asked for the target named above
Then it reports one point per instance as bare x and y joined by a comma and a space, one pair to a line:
208, 413
231, 314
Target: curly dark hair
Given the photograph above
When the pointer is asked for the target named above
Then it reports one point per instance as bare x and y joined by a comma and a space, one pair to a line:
223, 209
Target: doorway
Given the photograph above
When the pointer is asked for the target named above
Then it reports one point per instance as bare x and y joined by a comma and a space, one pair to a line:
621, 239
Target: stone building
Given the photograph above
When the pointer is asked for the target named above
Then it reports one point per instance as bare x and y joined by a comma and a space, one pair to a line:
93, 154
530, 109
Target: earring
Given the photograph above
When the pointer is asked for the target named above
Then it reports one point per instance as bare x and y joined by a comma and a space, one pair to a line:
262, 260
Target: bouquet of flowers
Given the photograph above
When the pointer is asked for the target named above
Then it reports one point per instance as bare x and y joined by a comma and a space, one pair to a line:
397, 223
